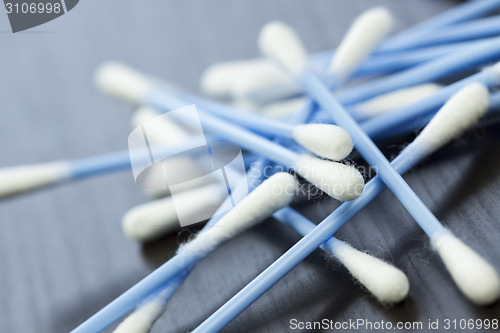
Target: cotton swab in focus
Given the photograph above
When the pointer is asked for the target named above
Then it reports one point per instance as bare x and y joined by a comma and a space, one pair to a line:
313, 85
273, 194
386, 282
459, 116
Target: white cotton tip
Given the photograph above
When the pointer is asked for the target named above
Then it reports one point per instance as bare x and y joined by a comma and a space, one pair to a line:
340, 181
263, 82
459, 113
161, 131
396, 99
218, 79
280, 42
327, 141
283, 109
386, 282
123, 82
361, 39
473, 275
25, 178
273, 194
155, 219
142, 319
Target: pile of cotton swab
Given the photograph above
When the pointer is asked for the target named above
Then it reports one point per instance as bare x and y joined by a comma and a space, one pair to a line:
296, 120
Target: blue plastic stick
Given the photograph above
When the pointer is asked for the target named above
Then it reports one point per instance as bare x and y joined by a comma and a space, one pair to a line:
242, 137
466, 11
380, 64
410, 156
460, 13
490, 77
100, 164
317, 90
450, 64
480, 28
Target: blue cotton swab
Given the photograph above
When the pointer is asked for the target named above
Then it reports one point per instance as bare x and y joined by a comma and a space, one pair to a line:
143, 318
479, 28
358, 263
337, 180
261, 82
457, 14
219, 80
25, 178
427, 221
454, 119
386, 282
273, 194
375, 127
490, 77
451, 64
393, 287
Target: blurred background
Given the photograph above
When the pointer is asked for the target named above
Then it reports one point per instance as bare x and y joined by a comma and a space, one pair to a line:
64, 255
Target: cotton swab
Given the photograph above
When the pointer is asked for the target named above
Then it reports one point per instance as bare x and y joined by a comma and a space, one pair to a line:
273, 194
313, 85
221, 78
338, 180
392, 288
394, 100
25, 178
157, 218
457, 115
386, 282
489, 76
479, 28
146, 314
363, 36
450, 64
366, 32
457, 14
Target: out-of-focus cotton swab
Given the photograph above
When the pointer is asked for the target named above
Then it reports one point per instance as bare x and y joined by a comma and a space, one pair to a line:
273, 194
337, 180
154, 219
363, 36
394, 100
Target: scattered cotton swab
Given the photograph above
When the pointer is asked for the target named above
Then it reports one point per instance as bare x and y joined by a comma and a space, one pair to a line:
475, 277
340, 181
473, 98
21, 179
363, 36
327, 141
273, 194
457, 121
386, 282
395, 100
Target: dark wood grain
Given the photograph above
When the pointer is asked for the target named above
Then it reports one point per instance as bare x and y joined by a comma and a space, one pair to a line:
63, 253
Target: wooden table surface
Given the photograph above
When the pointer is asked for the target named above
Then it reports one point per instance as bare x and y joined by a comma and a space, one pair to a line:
63, 253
